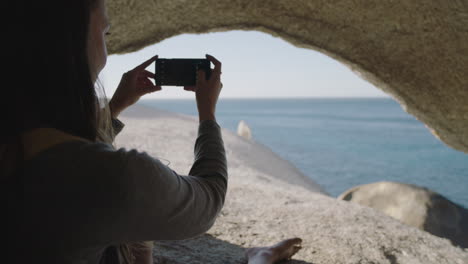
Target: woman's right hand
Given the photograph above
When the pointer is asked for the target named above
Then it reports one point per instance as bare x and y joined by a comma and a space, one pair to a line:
207, 91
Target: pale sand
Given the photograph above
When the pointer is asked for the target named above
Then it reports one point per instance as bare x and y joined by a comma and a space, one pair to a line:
269, 200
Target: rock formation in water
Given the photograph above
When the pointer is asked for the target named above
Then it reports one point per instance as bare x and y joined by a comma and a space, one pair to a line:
415, 206
243, 130
416, 51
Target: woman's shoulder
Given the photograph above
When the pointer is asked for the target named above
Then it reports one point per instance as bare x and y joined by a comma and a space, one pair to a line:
71, 156
51, 144
44, 139
89, 161
49, 147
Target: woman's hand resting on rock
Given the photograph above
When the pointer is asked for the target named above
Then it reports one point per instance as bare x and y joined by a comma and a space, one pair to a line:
207, 91
134, 84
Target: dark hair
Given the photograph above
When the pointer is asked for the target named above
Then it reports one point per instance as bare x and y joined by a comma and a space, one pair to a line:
46, 75
46, 80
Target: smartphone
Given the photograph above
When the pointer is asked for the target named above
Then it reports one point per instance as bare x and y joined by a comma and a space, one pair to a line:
180, 72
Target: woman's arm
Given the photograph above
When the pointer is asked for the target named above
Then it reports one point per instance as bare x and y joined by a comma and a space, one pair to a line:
109, 196
158, 203
163, 205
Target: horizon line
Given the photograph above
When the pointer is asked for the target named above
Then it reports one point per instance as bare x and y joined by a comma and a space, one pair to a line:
278, 98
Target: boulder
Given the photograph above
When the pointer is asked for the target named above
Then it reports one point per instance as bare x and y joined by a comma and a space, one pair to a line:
243, 130
415, 51
415, 206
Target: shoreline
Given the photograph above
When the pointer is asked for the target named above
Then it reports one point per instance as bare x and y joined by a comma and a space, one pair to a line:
251, 153
340, 144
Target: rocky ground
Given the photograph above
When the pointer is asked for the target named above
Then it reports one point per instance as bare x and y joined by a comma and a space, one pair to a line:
269, 200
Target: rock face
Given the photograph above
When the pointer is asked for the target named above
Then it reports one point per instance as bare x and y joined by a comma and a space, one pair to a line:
415, 51
262, 207
415, 206
243, 130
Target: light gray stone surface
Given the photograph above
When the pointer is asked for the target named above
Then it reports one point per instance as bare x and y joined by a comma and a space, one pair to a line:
415, 206
416, 51
263, 208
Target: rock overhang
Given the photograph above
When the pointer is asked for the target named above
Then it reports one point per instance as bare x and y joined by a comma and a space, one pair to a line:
414, 51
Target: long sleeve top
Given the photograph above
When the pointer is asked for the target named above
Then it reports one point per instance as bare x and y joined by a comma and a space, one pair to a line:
79, 197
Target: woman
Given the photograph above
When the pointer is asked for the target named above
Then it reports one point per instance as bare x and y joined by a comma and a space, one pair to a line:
71, 197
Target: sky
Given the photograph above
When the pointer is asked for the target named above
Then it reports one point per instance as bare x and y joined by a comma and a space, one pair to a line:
254, 65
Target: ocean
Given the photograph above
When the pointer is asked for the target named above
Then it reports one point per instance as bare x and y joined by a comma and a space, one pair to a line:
340, 143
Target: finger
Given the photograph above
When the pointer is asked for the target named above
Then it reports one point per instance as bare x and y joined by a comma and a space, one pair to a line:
201, 77
216, 63
149, 88
190, 88
147, 80
146, 63
144, 81
154, 88
148, 74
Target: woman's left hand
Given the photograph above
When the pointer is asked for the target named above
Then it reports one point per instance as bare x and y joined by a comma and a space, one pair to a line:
134, 84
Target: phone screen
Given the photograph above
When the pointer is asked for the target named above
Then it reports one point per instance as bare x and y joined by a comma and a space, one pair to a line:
180, 72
